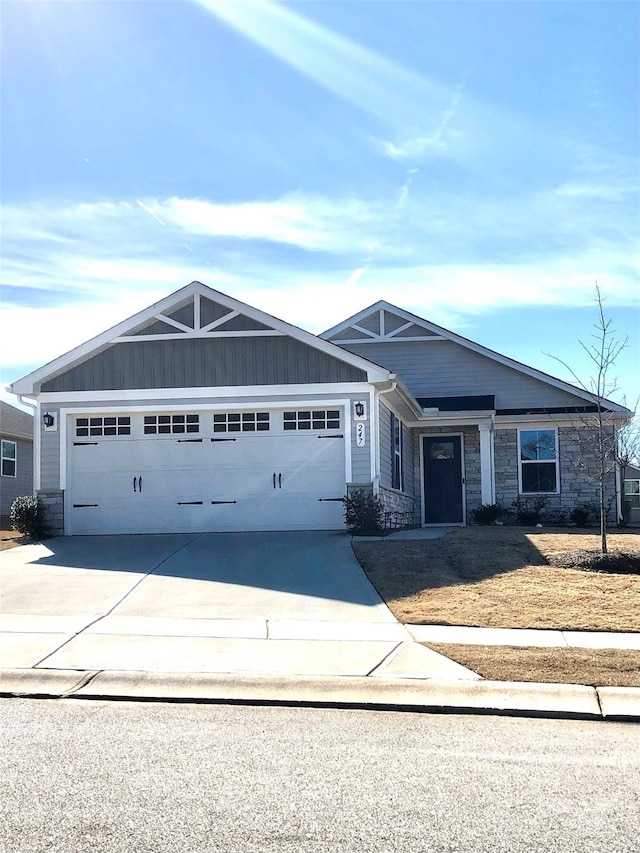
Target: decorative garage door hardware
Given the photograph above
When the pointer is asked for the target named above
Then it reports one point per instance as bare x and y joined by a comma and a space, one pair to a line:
279, 481
84, 443
80, 506
189, 441
223, 502
189, 503
241, 422
331, 500
103, 426
223, 439
163, 424
330, 436
139, 484
321, 419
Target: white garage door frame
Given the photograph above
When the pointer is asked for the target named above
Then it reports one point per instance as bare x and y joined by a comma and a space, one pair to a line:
67, 413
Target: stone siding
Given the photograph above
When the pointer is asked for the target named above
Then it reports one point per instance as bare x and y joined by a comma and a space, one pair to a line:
395, 501
53, 503
579, 482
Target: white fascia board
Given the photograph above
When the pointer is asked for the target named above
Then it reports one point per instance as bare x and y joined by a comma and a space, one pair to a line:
27, 384
448, 419
212, 407
477, 348
226, 391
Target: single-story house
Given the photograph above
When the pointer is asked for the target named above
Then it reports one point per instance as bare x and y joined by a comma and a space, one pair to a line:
16, 456
202, 413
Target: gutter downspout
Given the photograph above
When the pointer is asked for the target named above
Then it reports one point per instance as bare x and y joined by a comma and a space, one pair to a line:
377, 395
36, 441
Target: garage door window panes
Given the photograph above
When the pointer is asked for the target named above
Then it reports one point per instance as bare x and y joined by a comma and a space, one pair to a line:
103, 426
164, 424
319, 419
241, 422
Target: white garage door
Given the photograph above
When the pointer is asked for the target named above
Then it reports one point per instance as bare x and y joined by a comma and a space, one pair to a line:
268, 470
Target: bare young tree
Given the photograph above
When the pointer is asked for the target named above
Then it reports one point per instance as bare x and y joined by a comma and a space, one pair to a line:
602, 425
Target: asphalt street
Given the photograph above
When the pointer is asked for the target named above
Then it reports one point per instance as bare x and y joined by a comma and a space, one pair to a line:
80, 776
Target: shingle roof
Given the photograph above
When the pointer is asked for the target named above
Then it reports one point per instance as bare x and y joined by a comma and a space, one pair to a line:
14, 422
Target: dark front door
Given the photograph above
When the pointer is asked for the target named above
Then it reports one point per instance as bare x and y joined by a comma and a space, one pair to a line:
442, 473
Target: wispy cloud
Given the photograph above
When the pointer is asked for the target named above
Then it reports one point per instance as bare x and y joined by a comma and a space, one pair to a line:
416, 147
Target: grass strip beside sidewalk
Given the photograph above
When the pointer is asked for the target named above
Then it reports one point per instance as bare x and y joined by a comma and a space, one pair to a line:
596, 667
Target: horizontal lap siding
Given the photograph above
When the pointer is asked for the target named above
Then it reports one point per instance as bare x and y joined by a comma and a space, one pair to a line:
22, 483
202, 362
444, 368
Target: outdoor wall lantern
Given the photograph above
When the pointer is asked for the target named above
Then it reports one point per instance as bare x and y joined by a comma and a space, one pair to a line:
48, 420
359, 409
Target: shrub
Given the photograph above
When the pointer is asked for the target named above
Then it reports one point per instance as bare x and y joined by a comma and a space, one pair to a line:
529, 510
363, 513
487, 514
556, 518
27, 517
582, 515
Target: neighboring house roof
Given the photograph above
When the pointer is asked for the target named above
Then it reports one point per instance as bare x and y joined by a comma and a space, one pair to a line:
15, 423
384, 322
631, 472
178, 316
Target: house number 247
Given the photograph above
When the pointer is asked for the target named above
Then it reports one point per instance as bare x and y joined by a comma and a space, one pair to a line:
360, 435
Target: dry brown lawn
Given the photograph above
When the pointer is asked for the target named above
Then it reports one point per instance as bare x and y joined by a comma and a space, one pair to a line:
597, 667
498, 577
10, 538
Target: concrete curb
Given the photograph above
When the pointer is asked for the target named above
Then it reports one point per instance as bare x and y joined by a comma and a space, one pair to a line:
428, 695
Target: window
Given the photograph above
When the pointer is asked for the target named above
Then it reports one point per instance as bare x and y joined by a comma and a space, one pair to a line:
538, 461
103, 426
632, 492
323, 419
396, 453
245, 422
163, 424
9, 458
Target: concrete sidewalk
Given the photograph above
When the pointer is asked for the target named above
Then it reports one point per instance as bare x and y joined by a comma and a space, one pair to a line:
190, 618
524, 637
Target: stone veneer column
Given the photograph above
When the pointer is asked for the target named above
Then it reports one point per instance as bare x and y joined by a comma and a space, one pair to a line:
53, 503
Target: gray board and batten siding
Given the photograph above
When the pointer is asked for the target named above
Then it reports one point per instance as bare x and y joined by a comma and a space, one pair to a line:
202, 363
22, 484
445, 368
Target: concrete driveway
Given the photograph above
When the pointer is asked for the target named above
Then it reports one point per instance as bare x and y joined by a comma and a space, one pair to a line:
261, 603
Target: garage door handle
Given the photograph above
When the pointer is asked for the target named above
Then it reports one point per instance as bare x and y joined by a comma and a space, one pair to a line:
134, 484
279, 481
274, 479
140, 484
329, 500
331, 436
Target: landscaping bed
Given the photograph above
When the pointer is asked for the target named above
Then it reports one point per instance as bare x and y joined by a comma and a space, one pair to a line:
501, 577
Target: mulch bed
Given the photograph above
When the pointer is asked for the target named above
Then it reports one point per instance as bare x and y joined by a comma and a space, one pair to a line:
593, 560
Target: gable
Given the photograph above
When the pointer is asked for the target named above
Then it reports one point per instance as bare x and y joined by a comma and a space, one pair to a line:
199, 337
434, 362
379, 323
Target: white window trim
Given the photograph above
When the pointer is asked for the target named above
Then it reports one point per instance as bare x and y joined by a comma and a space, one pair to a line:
396, 454
538, 428
13, 458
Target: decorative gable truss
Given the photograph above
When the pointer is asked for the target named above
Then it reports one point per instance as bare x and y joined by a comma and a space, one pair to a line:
381, 322
198, 317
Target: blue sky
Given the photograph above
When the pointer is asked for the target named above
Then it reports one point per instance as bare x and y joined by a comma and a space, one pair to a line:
473, 162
